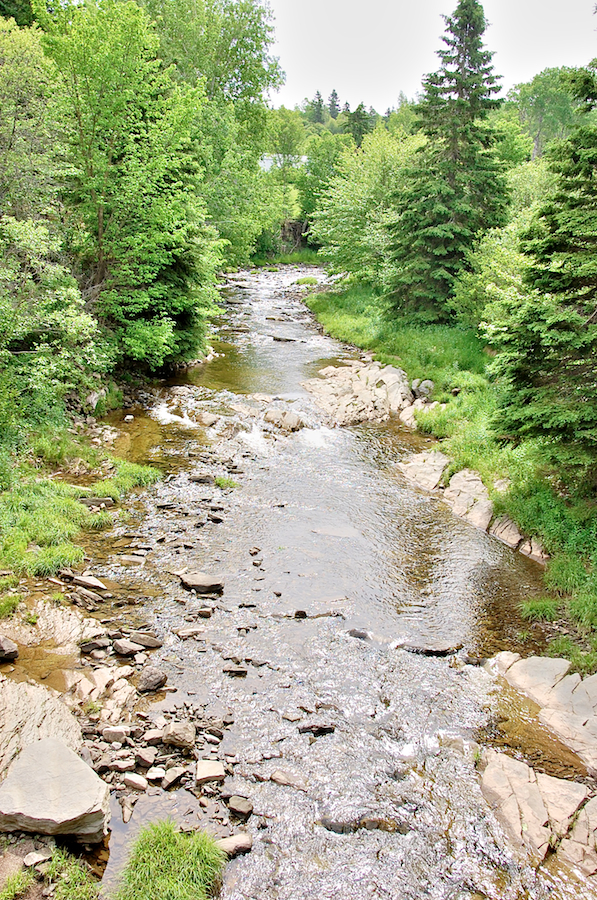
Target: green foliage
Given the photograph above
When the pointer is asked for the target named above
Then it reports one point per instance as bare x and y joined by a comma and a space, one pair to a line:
168, 865
455, 190
350, 223
224, 43
128, 476
449, 356
566, 573
583, 661
540, 609
8, 605
546, 107
150, 259
314, 177
545, 328
308, 281
31, 139
225, 483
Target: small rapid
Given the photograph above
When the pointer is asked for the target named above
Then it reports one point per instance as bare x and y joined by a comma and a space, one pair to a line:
331, 559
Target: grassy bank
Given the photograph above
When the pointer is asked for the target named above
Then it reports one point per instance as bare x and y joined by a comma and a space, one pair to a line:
455, 360
40, 511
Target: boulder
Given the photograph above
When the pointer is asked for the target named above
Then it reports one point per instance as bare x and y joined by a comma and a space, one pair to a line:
89, 581
179, 734
240, 806
151, 679
203, 584
238, 843
579, 847
135, 782
425, 469
8, 649
469, 498
146, 639
124, 647
29, 713
171, 777
50, 790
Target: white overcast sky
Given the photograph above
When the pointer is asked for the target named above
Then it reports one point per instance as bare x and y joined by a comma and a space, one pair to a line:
370, 50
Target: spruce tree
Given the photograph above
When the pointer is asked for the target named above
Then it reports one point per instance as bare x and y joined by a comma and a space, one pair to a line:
317, 106
333, 105
456, 190
547, 345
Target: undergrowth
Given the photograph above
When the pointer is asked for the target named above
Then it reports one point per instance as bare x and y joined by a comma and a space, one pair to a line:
16, 886
40, 517
523, 481
73, 881
166, 864
305, 257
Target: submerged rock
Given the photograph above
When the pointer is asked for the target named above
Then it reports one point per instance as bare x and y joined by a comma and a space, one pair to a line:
50, 790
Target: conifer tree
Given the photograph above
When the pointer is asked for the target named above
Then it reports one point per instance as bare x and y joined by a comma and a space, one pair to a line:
317, 107
456, 188
547, 343
334, 105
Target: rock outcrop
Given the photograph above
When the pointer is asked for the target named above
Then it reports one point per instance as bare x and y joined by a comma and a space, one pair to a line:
50, 790
535, 810
29, 713
469, 498
425, 469
360, 392
568, 702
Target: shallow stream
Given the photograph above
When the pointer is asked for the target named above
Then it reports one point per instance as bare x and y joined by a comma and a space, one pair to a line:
388, 804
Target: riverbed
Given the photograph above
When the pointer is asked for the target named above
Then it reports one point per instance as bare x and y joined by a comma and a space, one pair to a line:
331, 560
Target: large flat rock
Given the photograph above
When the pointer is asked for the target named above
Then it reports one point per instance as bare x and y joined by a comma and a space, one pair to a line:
425, 469
535, 810
50, 790
469, 499
29, 713
568, 703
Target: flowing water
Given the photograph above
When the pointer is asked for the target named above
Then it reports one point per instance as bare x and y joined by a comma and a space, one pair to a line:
387, 805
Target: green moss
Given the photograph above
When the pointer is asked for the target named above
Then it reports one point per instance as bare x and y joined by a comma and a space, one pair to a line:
168, 865
306, 282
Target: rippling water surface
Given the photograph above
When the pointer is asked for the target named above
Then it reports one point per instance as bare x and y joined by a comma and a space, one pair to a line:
389, 805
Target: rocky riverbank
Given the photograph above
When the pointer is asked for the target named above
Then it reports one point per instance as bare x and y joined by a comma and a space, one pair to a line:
241, 657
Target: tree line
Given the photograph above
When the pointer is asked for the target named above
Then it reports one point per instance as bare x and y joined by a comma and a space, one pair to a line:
131, 138
465, 209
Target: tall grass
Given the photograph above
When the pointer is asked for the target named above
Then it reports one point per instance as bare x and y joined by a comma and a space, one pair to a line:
168, 865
